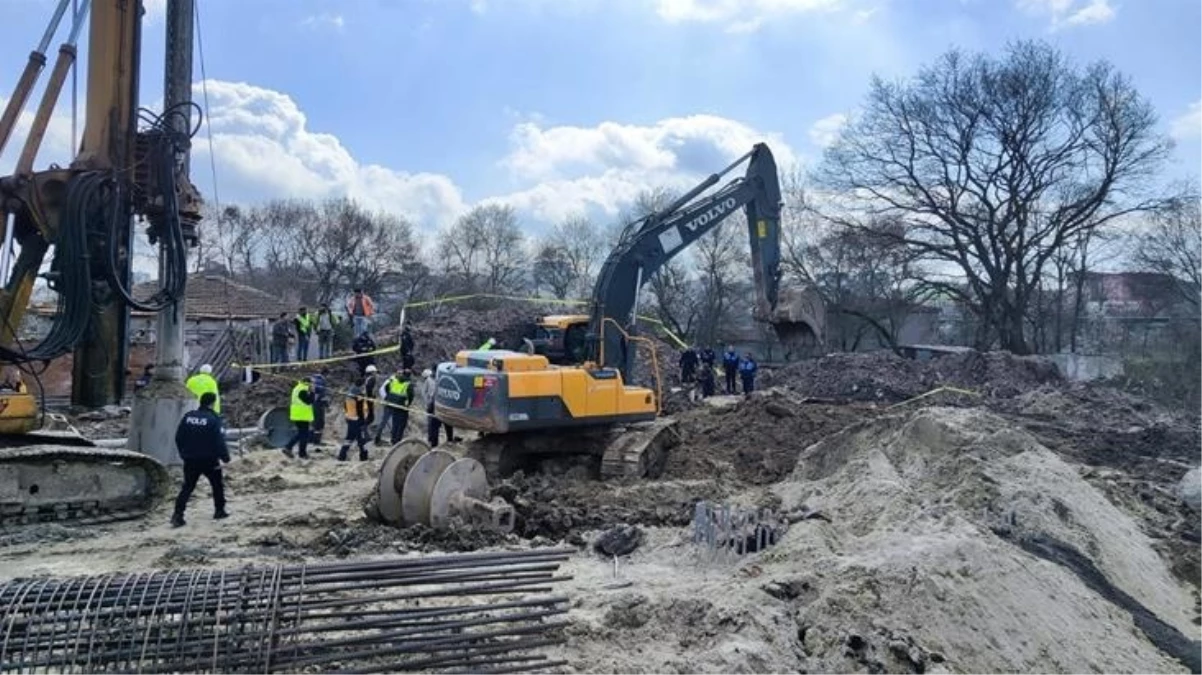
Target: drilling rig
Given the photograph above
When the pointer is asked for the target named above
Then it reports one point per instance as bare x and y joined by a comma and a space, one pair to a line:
130, 164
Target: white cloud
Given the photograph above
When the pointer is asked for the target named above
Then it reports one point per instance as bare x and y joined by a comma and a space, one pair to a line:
1069, 12
264, 148
1188, 126
726, 10
605, 167
826, 130
324, 20
56, 144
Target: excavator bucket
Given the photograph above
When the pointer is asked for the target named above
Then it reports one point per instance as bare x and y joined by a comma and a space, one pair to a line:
799, 320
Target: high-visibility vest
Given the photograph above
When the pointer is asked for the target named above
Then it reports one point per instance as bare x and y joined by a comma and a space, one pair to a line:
299, 411
303, 322
352, 409
487, 345
200, 383
397, 387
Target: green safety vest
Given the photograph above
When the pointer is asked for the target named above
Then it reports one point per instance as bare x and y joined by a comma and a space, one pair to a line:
299, 411
397, 387
200, 383
304, 322
486, 346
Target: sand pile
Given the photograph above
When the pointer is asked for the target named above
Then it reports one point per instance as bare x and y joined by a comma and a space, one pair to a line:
953, 532
885, 377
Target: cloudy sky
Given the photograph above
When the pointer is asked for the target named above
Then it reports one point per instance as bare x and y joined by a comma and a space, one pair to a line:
426, 107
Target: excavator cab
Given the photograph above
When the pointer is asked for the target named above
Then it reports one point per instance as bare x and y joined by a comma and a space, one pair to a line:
559, 337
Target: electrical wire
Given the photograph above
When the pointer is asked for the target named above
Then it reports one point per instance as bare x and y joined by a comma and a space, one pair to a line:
167, 145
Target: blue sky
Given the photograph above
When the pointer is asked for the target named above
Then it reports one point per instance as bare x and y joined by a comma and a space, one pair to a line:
425, 107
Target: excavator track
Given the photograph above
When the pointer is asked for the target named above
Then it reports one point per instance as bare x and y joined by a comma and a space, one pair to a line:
630, 451
64, 479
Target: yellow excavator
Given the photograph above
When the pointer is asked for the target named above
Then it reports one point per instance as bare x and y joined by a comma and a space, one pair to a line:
524, 404
128, 164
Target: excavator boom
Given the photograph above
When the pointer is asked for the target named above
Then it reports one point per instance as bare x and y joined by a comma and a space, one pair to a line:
524, 404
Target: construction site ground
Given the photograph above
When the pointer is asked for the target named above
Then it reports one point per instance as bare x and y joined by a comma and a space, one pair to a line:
1030, 525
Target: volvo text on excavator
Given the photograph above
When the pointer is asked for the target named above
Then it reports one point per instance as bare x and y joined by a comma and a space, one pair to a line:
128, 164
517, 399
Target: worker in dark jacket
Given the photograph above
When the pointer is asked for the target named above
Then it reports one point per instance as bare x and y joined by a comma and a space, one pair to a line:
730, 366
200, 440
705, 377
320, 403
363, 344
708, 357
688, 364
407, 356
356, 425
747, 371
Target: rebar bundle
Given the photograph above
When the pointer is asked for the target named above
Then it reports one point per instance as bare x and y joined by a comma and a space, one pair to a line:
474, 613
724, 532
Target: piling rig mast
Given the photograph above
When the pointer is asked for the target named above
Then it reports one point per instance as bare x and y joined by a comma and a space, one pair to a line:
130, 163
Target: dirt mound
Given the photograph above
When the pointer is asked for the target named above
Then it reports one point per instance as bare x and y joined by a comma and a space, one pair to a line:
757, 439
950, 527
885, 377
563, 507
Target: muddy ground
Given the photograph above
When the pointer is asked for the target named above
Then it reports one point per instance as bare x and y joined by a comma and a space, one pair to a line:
808, 604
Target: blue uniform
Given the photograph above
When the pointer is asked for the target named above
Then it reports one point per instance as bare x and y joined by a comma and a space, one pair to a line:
747, 370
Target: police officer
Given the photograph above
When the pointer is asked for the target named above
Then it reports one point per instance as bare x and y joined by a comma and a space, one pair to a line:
730, 366
201, 444
747, 370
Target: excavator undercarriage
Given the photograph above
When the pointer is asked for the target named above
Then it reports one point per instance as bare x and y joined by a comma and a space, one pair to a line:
49, 476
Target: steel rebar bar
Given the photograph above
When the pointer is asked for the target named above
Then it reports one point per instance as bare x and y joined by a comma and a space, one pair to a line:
431, 613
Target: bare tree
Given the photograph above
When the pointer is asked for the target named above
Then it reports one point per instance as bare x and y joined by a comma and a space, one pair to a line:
571, 253
720, 260
1171, 244
867, 277
994, 165
484, 251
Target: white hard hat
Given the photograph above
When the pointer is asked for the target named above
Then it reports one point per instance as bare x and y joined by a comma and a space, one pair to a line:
206, 369
426, 373
371, 369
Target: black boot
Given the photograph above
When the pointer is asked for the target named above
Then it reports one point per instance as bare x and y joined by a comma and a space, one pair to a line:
342, 453
177, 520
220, 514
363, 455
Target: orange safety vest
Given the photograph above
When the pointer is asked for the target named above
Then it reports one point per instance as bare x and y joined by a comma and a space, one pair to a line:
352, 409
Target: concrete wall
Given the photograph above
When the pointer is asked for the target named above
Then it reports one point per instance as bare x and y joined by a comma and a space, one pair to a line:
1084, 367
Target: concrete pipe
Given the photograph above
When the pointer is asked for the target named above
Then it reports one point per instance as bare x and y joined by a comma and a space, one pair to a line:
277, 427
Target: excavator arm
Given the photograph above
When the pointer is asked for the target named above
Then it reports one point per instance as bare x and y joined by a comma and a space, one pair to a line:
663, 235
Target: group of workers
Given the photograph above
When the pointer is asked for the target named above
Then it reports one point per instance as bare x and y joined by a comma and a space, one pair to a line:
698, 367
321, 324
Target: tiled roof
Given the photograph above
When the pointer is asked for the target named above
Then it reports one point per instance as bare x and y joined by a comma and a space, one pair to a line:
213, 296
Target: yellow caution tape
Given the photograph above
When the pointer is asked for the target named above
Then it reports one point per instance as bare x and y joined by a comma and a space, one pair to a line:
954, 390
345, 392
492, 296
332, 359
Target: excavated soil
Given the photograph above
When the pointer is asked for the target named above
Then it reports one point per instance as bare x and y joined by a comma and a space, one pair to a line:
757, 439
885, 377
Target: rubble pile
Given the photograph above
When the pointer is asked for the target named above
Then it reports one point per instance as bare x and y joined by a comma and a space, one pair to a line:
885, 377
757, 440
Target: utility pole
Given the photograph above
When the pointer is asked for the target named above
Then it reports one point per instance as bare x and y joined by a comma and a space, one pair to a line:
158, 408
